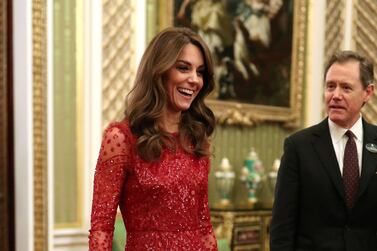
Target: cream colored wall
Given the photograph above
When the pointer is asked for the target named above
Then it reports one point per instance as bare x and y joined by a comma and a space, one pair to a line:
23, 129
315, 59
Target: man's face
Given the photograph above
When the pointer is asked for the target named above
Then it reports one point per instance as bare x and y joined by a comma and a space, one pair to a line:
344, 93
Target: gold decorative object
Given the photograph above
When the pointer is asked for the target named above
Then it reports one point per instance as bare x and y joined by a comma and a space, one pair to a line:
243, 230
224, 182
272, 175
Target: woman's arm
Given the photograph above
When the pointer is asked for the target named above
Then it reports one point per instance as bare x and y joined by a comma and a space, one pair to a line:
108, 182
208, 236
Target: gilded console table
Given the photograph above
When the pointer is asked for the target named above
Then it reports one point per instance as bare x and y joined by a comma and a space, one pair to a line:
243, 229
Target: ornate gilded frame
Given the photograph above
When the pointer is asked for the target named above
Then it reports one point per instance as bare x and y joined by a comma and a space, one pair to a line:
248, 114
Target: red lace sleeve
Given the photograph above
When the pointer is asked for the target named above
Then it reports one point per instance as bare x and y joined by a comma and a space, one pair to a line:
208, 235
108, 181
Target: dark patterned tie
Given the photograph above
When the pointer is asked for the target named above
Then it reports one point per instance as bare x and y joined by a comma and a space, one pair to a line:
350, 170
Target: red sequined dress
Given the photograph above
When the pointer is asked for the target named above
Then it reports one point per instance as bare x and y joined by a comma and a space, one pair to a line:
164, 204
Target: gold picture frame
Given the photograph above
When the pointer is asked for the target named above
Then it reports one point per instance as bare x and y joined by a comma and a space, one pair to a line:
238, 112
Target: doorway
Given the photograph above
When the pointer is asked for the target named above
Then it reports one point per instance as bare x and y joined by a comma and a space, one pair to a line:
6, 130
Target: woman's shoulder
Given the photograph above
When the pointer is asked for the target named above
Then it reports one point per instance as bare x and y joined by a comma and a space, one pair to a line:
119, 126
120, 129
117, 142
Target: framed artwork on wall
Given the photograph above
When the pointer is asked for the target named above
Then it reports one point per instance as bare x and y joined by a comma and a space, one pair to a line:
258, 47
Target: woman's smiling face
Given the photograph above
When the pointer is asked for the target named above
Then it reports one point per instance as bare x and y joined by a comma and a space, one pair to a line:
184, 79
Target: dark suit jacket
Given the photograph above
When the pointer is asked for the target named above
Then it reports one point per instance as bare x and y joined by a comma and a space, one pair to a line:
309, 211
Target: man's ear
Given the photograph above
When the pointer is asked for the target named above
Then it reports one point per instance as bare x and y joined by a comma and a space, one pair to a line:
369, 92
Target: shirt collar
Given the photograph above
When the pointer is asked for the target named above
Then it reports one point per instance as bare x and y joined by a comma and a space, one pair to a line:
337, 132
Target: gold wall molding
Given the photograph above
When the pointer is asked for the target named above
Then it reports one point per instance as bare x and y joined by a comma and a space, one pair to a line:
334, 30
71, 239
39, 68
365, 41
118, 53
159, 14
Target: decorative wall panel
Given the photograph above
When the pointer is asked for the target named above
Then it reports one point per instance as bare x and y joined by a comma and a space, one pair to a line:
117, 55
334, 27
67, 113
39, 38
365, 40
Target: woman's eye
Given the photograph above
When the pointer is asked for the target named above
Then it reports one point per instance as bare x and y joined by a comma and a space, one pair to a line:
182, 68
200, 73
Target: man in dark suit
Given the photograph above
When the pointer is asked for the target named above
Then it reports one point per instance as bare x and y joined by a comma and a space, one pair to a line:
326, 190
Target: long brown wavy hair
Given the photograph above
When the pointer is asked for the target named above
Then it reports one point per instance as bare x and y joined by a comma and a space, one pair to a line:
148, 99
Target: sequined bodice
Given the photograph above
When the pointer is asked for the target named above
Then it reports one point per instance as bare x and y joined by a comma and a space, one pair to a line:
164, 203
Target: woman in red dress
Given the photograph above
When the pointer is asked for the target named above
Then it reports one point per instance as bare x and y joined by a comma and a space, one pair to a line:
154, 164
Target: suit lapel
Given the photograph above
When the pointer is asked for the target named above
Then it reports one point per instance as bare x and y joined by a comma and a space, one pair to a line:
369, 159
323, 146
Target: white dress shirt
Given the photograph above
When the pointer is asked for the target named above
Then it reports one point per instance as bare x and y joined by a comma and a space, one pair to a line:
339, 140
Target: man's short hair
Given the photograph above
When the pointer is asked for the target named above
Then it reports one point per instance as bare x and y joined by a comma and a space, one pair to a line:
365, 65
